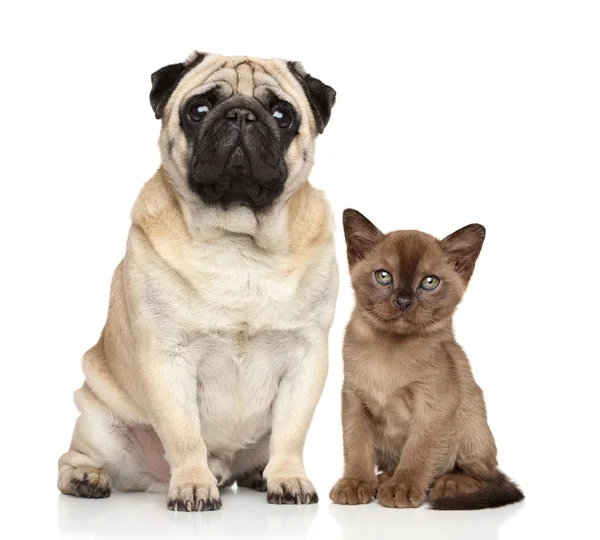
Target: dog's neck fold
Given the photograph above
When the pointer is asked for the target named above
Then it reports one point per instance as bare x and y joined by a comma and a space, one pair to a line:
294, 222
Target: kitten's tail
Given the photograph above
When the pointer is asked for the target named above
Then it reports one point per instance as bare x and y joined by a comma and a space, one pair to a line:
499, 490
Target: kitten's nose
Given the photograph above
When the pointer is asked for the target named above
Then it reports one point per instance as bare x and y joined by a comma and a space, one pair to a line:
403, 303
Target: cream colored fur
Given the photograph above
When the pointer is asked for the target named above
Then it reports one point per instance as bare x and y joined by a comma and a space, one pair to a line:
217, 329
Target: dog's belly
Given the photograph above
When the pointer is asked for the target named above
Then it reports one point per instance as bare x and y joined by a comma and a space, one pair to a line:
238, 380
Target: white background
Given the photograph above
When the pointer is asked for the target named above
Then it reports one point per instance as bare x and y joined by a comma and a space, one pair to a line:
448, 113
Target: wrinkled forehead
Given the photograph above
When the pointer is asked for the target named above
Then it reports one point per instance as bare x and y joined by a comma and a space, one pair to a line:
241, 75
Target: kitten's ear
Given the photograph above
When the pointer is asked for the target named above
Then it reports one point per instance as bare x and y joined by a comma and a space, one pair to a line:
361, 235
463, 248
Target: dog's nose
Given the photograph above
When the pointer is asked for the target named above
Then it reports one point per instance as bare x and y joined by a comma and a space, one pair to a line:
240, 114
403, 303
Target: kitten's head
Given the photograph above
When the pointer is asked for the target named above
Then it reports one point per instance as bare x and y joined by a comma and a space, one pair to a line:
408, 281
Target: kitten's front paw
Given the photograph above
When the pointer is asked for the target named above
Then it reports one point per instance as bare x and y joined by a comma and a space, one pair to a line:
400, 494
351, 491
295, 490
193, 491
383, 477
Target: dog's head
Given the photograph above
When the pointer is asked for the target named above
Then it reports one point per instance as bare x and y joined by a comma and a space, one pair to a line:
238, 131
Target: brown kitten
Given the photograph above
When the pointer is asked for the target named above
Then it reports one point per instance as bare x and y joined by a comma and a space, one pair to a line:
410, 406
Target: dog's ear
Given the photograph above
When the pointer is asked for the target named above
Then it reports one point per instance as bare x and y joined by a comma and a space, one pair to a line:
320, 96
165, 80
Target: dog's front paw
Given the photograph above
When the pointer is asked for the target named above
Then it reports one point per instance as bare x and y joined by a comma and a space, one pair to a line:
194, 497
294, 490
400, 494
352, 491
193, 491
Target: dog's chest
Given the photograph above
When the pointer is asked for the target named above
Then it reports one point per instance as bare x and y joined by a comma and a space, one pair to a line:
244, 318
238, 379
238, 288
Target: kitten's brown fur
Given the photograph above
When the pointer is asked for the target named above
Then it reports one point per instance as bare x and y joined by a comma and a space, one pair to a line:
410, 405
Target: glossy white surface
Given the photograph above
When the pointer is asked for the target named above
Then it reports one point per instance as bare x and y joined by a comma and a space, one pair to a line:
247, 515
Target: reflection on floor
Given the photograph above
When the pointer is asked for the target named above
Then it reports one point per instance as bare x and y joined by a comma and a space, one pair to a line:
246, 514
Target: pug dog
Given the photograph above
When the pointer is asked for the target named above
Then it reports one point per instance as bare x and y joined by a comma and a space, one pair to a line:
214, 352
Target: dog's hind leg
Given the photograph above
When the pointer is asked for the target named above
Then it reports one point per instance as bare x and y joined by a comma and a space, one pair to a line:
103, 456
249, 464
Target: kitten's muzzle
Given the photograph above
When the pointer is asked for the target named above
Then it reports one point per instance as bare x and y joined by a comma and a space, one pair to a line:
403, 303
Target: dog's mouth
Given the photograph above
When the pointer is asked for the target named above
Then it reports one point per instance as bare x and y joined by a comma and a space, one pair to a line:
243, 180
239, 168
238, 164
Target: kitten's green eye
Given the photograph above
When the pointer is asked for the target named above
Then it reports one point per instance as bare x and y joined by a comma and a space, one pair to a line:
430, 282
383, 277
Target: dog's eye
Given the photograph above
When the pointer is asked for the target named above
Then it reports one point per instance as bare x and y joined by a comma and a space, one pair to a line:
383, 277
282, 116
197, 111
430, 282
